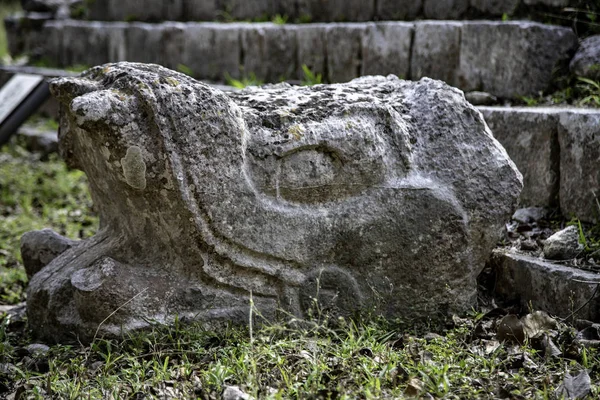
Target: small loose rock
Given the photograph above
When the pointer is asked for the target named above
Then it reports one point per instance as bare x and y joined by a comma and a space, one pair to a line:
563, 245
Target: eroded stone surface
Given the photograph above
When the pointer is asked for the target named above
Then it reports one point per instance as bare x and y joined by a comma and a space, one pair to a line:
388, 194
513, 58
586, 62
530, 136
542, 285
579, 138
563, 245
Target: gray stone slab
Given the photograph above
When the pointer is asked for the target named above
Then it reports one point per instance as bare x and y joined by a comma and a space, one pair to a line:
551, 287
93, 50
445, 9
530, 138
212, 51
579, 138
586, 62
344, 51
53, 43
269, 51
24, 33
336, 10
200, 10
311, 48
143, 43
514, 58
127, 10
386, 49
172, 44
247, 9
495, 7
436, 51
398, 9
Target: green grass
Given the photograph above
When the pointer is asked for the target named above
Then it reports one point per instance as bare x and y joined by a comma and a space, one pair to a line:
323, 358
36, 195
247, 80
6, 8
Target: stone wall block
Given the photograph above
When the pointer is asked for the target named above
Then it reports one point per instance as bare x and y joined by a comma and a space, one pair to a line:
212, 50
85, 44
546, 286
102, 10
579, 138
311, 48
398, 9
117, 50
586, 62
269, 51
248, 9
512, 59
200, 10
436, 51
139, 10
172, 44
530, 138
445, 9
495, 7
336, 10
350, 10
386, 49
52, 44
143, 43
173, 10
344, 51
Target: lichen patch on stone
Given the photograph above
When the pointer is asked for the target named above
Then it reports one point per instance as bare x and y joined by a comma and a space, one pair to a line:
134, 168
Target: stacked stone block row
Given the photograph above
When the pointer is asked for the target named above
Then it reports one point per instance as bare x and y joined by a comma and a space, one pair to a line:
557, 150
308, 10
507, 59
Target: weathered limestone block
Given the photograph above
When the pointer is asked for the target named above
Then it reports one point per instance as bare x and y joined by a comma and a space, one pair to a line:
579, 138
140, 37
93, 50
386, 49
212, 51
586, 62
41, 247
52, 45
377, 194
436, 51
247, 9
511, 59
344, 51
495, 7
445, 9
200, 10
138, 10
312, 48
269, 51
335, 10
398, 9
530, 137
172, 43
25, 33
556, 289
43, 5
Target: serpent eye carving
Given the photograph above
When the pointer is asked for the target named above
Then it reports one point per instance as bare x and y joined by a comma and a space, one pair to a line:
320, 168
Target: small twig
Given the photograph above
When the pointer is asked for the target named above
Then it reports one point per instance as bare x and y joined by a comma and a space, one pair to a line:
586, 303
117, 310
